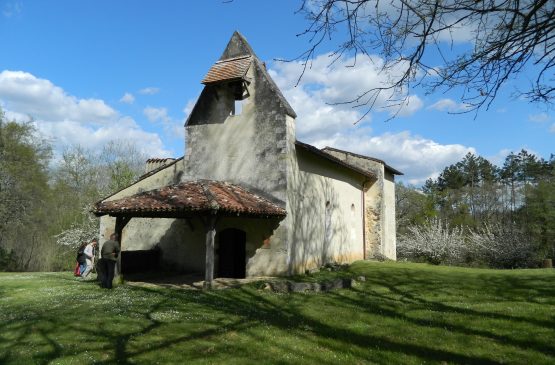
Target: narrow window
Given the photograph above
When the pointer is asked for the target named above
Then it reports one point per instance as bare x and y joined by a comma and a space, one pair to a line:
238, 107
327, 224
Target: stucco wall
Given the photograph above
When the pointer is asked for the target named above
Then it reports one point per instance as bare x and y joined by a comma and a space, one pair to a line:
185, 250
379, 206
146, 233
250, 149
246, 148
325, 213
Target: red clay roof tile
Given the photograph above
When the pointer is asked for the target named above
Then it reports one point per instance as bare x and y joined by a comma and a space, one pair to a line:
230, 69
188, 197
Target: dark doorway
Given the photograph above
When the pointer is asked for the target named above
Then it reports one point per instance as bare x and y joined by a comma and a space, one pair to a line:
139, 261
231, 253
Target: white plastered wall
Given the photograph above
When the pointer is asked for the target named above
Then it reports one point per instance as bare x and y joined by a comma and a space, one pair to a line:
324, 213
145, 233
379, 206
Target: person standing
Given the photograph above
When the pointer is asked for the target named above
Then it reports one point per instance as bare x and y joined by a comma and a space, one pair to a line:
109, 255
81, 260
89, 257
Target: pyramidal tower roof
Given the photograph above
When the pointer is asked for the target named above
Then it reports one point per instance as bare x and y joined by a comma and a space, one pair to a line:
237, 47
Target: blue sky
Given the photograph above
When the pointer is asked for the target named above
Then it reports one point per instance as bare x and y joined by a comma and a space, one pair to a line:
92, 71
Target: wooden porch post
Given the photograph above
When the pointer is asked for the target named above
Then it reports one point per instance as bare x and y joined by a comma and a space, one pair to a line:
210, 234
121, 222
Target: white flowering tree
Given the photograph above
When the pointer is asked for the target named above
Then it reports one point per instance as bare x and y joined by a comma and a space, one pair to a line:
494, 245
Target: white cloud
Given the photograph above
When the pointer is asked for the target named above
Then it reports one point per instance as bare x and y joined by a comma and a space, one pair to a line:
149, 91
67, 133
449, 105
552, 128
417, 157
23, 92
172, 127
339, 81
408, 107
324, 86
539, 117
324, 124
156, 114
127, 98
65, 119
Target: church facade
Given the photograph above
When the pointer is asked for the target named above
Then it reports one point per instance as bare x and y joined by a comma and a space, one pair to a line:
248, 199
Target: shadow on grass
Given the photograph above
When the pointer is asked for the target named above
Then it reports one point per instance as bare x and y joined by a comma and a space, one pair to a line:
226, 326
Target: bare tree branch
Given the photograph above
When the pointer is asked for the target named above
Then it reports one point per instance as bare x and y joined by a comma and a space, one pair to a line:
508, 37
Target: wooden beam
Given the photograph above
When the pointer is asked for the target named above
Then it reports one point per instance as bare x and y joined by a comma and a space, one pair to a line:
210, 234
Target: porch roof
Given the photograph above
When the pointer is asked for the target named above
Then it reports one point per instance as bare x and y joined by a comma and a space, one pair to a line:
191, 198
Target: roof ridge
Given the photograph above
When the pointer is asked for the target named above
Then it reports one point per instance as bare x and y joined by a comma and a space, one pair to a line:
234, 58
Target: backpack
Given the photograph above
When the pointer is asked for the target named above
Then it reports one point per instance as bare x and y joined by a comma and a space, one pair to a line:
76, 271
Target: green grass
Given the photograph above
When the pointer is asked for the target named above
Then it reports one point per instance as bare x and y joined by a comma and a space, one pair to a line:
402, 314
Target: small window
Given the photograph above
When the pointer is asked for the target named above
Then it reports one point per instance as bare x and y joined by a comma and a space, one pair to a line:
238, 107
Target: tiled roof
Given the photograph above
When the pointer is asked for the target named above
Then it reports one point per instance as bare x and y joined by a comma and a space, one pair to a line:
230, 69
156, 159
201, 196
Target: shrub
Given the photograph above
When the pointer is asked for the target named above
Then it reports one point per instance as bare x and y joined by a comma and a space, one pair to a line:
504, 247
432, 242
494, 245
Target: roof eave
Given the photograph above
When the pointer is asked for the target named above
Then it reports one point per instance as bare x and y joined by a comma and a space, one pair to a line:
386, 166
333, 159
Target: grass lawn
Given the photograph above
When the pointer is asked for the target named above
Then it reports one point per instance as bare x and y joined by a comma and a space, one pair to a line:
402, 314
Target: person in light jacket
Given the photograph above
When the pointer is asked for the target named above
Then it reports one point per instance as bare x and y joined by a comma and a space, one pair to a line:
89, 256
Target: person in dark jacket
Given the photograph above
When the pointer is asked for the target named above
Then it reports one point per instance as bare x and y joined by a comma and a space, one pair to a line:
108, 258
81, 259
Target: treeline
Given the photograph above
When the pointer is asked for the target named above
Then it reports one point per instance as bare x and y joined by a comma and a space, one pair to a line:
45, 200
476, 213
